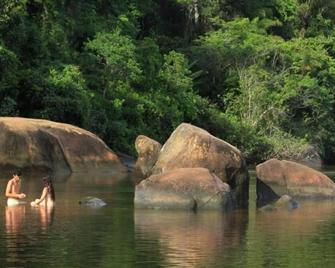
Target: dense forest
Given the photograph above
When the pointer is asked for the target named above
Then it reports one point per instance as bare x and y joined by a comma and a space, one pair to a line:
259, 74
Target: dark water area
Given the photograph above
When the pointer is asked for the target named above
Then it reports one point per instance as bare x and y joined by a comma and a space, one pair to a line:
73, 235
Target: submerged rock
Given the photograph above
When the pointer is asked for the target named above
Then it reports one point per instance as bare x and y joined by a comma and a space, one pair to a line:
50, 146
192, 147
284, 202
276, 178
93, 202
184, 188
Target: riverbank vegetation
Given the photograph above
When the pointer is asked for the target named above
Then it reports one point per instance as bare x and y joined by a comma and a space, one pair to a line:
259, 74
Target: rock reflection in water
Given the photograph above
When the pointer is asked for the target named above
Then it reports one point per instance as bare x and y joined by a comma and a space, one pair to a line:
307, 218
95, 178
83, 177
190, 239
283, 237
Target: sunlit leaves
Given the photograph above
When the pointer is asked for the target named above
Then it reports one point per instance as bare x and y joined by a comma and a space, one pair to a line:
117, 52
65, 96
9, 8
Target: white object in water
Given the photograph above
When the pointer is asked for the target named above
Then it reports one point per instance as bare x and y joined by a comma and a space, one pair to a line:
14, 202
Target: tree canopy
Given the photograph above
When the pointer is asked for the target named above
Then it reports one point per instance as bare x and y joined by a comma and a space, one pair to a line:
259, 74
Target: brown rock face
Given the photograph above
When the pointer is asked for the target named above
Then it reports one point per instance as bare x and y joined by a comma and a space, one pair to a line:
296, 180
184, 188
50, 146
190, 146
148, 151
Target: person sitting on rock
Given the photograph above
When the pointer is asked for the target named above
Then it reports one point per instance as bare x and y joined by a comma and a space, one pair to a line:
47, 198
13, 190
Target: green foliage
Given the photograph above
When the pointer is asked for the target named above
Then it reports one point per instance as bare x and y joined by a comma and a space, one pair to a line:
176, 99
118, 56
175, 71
259, 74
230, 128
244, 42
8, 68
9, 9
150, 59
272, 85
65, 98
8, 82
8, 107
286, 146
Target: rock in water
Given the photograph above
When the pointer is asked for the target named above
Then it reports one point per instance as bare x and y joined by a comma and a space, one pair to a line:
184, 188
148, 151
93, 202
49, 146
192, 147
279, 177
285, 202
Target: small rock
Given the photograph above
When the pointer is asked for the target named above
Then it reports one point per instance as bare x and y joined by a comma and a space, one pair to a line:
93, 202
284, 202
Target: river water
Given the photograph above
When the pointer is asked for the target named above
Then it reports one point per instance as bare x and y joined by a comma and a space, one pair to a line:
116, 235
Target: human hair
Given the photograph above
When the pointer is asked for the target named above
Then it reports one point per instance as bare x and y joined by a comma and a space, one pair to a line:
17, 172
47, 182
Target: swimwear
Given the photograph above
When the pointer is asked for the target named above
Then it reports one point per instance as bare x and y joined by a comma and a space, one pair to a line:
14, 202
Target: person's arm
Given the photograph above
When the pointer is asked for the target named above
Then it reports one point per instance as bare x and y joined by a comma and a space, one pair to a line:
9, 193
43, 196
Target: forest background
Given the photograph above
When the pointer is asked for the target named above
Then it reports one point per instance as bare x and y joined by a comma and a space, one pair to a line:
259, 74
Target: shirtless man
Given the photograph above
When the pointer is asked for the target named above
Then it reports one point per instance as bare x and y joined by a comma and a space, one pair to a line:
13, 190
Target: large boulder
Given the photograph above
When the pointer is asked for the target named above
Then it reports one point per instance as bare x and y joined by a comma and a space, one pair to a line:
184, 188
190, 146
148, 151
50, 146
279, 177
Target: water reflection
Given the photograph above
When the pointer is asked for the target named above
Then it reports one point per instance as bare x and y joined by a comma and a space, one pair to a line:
117, 236
307, 218
108, 178
190, 239
95, 178
15, 216
282, 238
46, 215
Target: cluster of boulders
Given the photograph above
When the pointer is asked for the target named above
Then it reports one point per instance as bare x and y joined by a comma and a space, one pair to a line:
193, 170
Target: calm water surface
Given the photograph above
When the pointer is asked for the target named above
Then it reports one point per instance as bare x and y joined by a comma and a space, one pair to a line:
72, 235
